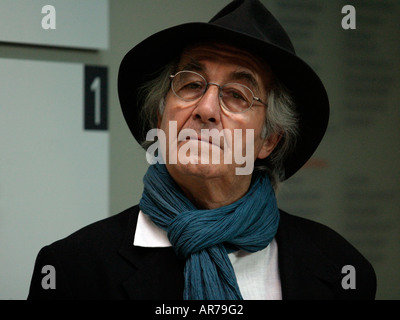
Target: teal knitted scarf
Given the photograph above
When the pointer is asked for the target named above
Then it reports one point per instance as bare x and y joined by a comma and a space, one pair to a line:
205, 237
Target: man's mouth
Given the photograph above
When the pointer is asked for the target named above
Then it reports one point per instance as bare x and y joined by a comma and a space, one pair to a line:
206, 139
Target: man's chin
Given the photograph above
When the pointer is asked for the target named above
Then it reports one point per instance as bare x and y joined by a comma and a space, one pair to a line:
201, 170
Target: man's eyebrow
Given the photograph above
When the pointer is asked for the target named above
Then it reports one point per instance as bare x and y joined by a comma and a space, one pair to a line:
248, 77
193, 65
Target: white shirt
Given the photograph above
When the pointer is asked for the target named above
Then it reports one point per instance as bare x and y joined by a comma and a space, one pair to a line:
257, 273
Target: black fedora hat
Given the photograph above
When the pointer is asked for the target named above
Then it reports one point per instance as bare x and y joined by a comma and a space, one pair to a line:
251, 26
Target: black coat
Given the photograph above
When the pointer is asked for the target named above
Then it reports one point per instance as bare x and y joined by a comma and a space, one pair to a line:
100, 262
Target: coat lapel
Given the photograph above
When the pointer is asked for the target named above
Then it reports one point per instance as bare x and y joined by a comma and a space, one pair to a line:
305, 272
157, 273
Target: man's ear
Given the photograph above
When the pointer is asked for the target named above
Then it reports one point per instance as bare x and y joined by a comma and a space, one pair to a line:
159, 118
269, 145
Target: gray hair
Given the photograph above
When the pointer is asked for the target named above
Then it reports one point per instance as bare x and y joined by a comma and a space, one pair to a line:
281, 118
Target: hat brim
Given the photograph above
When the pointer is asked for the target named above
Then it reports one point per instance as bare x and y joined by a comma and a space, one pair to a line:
140, 64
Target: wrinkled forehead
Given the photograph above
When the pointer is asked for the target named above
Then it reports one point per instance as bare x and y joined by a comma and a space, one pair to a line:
229, 55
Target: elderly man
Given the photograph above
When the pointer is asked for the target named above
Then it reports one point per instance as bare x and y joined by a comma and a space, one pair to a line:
208, 225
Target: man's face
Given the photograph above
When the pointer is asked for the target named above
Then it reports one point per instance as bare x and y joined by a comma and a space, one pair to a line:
219, 64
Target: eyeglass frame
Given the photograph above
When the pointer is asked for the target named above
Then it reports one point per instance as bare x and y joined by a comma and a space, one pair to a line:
207, 84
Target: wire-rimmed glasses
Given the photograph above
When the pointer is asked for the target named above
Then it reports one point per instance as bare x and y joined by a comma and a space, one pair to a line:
234, 97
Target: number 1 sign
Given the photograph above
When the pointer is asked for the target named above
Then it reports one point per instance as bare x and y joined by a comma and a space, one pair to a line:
95, 98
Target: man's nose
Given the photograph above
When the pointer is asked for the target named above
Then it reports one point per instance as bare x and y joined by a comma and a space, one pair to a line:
208, 107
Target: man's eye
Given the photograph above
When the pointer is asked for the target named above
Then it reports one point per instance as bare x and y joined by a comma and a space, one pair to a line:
236, 95
193, 86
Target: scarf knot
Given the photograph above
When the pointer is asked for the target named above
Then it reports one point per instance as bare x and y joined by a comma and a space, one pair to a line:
205, 237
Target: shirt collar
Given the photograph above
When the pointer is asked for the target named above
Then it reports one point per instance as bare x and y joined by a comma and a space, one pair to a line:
148, 234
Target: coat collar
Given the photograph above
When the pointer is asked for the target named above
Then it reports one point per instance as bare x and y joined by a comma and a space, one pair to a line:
157, 274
